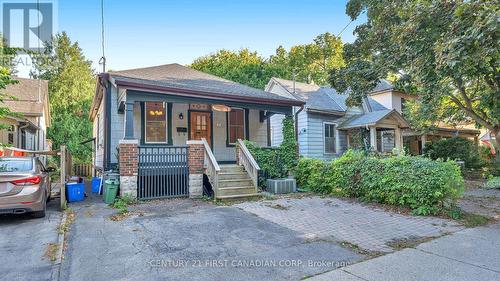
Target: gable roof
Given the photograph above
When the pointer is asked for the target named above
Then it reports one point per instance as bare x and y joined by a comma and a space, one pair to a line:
321, 98
175, 77
372, 118
31, 97
382, 86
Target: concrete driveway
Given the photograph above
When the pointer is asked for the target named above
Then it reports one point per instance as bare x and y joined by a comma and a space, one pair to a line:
24, 242
191, 240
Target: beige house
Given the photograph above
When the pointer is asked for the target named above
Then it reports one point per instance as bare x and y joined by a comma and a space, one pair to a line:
415, 141
29, 130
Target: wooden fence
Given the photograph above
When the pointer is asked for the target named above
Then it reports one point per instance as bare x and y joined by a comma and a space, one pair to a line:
83, 170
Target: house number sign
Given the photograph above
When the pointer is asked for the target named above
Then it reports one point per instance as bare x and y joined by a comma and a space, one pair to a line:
199, 106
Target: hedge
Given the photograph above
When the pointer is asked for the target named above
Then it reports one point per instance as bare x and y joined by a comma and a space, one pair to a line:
424, 185
454, 149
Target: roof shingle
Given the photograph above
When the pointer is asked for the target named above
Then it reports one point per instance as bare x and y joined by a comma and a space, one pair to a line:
182, 77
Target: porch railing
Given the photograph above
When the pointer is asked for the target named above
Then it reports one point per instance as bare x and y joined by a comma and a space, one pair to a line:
246, 159
212, 168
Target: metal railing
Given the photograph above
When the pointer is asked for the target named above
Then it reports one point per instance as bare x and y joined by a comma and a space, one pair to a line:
246, 159
212, 168
163, 172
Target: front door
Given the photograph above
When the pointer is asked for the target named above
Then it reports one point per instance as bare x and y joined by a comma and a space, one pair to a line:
201, 126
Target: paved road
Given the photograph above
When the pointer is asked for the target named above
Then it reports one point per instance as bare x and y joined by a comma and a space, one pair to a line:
191, 240
471, 254
23, 242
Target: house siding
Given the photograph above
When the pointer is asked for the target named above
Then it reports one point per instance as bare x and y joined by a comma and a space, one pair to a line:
98, 134
315, 139
117, 126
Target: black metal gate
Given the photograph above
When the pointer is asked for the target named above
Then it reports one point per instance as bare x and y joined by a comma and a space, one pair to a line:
163, 172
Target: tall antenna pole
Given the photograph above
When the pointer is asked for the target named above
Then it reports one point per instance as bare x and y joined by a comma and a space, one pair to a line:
103, 58
293, 78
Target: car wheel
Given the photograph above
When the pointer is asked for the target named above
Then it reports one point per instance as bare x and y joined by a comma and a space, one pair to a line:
41, 214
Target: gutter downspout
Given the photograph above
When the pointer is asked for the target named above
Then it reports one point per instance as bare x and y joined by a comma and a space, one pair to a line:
297, 126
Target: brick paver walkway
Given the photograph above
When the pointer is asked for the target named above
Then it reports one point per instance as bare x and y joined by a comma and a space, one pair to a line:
330, 218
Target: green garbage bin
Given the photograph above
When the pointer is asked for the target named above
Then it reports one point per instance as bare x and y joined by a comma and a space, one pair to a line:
110, 190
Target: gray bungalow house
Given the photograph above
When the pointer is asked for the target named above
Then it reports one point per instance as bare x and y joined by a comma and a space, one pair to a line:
327, 127
169, 127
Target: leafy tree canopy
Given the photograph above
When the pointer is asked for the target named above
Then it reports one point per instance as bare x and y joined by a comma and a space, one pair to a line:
443, 52
6, 55
310, 63
71, 88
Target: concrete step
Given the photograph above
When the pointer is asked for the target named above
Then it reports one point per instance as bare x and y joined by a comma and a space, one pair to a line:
243, 190
239, 196
233, 176
235, 183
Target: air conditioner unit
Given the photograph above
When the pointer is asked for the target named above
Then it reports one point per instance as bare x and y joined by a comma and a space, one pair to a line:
278, 186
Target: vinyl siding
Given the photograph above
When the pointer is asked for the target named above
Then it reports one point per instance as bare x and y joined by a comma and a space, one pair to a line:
98, 134
117, 126
315, 136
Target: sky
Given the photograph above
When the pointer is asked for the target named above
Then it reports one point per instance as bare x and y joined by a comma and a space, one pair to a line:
153, 32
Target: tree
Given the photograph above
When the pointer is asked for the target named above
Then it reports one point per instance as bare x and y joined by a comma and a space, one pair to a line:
443, 52
71, 88
312, 62
244, 66
309, 62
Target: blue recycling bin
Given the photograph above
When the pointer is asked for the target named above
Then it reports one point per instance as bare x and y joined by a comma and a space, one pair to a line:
96, 183
75, 191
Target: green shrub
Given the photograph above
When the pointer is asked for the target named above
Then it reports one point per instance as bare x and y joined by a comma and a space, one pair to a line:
454, 149
493, 182
309, 173
424, 185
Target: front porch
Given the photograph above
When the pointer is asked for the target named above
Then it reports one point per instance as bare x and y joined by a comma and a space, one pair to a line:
379, 131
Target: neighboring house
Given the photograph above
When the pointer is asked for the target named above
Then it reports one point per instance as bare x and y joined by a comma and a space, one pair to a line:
31, 101
327, 127
148, 120
415, 141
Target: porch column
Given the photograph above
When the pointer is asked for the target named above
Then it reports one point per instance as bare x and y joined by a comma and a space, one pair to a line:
196, 162
398, 140
129, 165
423, 139
129, 120
373, 138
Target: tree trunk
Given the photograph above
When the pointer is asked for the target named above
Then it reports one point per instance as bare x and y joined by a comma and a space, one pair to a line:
496, 133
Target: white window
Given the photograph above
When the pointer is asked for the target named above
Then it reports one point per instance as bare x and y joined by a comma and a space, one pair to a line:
155, 122
329, 138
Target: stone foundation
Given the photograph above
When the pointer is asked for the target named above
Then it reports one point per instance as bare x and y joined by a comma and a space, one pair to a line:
128, 186
196, 186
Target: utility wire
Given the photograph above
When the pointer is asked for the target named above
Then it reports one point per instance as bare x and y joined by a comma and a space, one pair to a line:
343, 29
103, 58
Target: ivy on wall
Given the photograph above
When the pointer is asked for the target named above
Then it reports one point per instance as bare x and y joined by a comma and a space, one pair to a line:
281, 161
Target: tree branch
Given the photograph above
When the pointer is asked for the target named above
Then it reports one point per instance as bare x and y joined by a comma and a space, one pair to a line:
471, 113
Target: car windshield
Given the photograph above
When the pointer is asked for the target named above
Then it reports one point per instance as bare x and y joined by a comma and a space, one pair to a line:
16, 165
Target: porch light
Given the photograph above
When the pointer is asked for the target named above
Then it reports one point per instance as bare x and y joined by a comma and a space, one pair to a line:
221, 107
